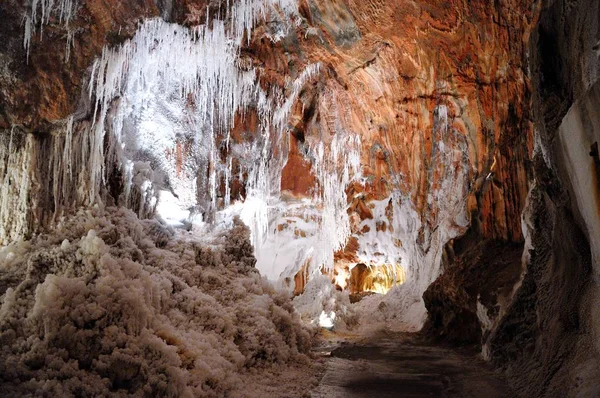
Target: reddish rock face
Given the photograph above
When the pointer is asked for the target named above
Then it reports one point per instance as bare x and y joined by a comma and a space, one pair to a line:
297, 177
47, 87
437, 93
415, 57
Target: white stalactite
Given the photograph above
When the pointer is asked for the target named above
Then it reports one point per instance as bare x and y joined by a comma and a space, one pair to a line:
169, 86
40, 14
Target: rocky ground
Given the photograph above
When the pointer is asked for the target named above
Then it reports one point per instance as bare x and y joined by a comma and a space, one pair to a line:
405, 365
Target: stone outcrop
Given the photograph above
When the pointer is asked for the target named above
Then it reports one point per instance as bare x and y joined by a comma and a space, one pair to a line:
43, 87
476, 285
404, 98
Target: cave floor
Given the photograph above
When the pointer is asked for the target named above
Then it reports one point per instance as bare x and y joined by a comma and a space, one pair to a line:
404, 365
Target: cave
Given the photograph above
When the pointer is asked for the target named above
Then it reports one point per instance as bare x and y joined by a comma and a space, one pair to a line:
299, 198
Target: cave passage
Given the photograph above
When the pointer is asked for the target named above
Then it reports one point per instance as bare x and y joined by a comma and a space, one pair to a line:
390, 365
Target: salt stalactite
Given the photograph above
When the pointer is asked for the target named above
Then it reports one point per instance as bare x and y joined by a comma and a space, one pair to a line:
228, 182
69, 44
197, 64
15, 183
282, 113
177, 91
309, 231
450, 164
248, 12
41, 12
167, 77
177, 64
264, 180
38, 175
61, 161
335, 168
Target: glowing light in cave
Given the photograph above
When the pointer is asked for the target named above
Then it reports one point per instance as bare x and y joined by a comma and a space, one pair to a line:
376, 279
327, 320
171, 210
342, 275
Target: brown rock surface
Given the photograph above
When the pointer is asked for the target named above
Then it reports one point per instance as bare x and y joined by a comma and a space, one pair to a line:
481, 271
392, 84
547, 339
47, 88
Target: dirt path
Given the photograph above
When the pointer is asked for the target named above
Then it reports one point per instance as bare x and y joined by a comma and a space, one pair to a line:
400, 365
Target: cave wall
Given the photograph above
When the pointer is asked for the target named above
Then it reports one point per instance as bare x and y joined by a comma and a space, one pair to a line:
448, 128
422, 73
551, 329
535, 315
44, 162
42, 87
47, 111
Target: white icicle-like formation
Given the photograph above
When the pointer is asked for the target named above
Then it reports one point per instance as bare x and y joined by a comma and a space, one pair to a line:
264, 180
40, 14
420, 253
282, 113
179, 89
168, 91
173, 82
42, 176
335, 169
164, 104
309, 231
62, 163
246, 13
15, 184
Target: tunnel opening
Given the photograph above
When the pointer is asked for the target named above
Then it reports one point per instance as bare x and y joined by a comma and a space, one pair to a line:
377, 279
357, 279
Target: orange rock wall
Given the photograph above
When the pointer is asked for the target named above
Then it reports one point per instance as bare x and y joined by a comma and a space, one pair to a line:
393, 65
